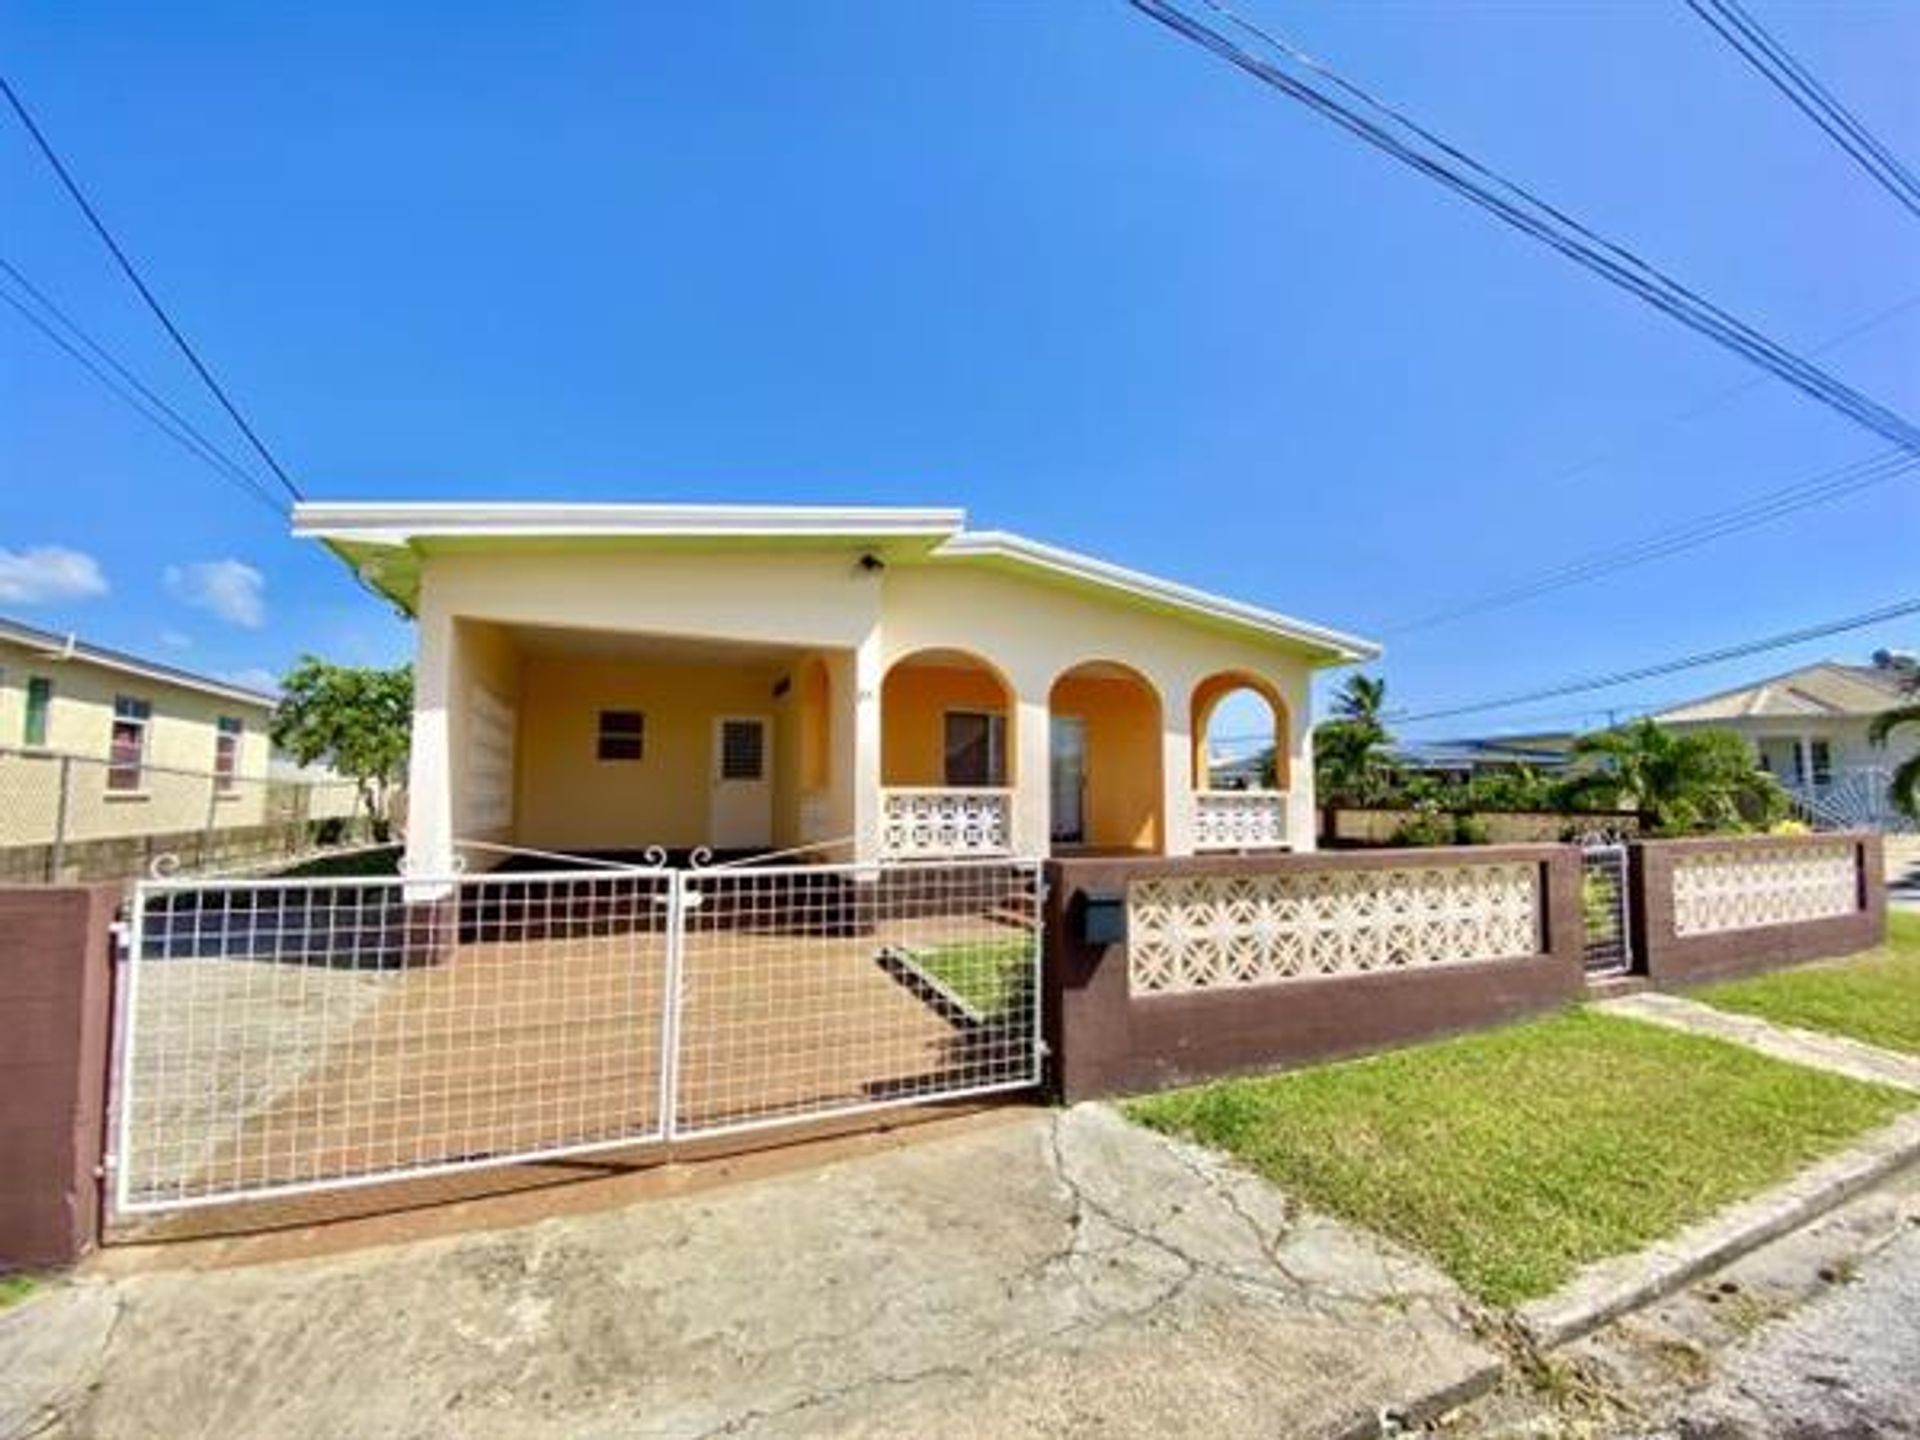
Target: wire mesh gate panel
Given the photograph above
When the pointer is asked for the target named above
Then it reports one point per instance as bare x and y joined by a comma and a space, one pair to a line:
1604, 898
282, 1036
294, 1035
825, 989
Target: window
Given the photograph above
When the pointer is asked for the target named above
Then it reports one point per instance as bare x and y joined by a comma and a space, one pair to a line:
226, 751
976, 748
1822, 762
39, 706
623, 734
127, 751
743, 749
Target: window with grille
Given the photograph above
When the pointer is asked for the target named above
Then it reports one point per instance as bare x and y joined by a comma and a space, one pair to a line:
623, 735
976, 748
39, 708
127, 749
743, 746
226, 751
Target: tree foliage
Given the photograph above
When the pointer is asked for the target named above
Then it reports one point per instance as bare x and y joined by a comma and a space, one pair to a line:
1682, 780
1905, 790
1350, 751
356, 719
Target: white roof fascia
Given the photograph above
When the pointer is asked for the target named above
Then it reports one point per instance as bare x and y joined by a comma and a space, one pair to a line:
66, 649
1017, 549
396, 523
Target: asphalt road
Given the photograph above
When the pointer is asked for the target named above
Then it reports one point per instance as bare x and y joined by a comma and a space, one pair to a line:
1848, 1364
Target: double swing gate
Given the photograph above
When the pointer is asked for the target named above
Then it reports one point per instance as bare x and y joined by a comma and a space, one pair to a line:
283, 1036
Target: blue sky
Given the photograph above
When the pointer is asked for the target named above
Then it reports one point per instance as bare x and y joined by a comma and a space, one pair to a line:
1045, 261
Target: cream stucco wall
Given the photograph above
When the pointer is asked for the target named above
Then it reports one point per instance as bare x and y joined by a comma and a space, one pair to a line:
176, 793
821, 603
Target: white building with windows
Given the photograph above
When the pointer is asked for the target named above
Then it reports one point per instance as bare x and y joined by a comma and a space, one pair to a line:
1809, 728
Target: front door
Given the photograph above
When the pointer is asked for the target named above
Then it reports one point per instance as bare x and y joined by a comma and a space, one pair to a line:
1068, 779
742, 810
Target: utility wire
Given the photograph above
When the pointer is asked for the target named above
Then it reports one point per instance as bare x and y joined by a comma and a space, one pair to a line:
127, 267
1671, 667
140, 407
1405, 140
1776, 64
1789, 499
169, 420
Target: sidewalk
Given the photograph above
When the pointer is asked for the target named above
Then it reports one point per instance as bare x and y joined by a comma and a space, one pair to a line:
1062, 1273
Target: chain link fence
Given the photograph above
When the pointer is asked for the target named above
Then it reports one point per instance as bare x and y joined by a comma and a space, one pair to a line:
69, 818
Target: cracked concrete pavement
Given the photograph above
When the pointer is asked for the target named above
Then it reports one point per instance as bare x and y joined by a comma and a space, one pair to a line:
1066, 1273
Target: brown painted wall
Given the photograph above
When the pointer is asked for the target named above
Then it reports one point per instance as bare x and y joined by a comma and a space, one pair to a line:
1670, 960
56, 1022
1106, 1040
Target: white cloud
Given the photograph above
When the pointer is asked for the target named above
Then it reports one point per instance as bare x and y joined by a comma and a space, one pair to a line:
231, 589
49, 573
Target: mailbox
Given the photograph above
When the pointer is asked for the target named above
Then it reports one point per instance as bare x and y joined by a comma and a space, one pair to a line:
1103, 916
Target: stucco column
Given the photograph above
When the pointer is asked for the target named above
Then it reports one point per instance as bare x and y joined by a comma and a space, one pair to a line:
429, 780
1303, 815
1176, 777
866, 676
1032, 772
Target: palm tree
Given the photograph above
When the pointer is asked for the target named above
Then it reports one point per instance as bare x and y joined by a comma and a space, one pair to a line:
1349, 750
1691, 780
1905, 790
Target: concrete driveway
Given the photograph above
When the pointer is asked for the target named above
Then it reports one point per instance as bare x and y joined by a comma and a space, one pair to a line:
1054, 1274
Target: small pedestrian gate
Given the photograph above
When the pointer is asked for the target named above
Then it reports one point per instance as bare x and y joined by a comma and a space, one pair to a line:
281, 1036
1605, 900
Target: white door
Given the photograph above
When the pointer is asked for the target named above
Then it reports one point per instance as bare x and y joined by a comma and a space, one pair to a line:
742, 784
1068, 779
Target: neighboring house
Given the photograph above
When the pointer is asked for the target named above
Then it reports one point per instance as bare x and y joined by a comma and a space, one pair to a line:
1809, 728
147, 748
1462, 759
605, 678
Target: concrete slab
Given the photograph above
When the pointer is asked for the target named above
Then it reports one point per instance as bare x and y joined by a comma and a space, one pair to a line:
1783, 1042
1069, 1273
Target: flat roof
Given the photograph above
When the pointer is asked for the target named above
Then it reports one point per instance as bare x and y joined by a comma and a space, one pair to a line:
63, 647
382, 541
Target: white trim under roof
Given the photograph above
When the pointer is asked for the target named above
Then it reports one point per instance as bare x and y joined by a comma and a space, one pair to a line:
397, 522
1071, 565
64, 649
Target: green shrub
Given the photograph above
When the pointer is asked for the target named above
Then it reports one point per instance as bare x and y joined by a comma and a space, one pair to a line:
1470, 830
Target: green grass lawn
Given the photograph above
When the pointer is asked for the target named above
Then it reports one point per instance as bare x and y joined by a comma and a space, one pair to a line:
15, 1288
1873, 997
991, 976
1516, 1157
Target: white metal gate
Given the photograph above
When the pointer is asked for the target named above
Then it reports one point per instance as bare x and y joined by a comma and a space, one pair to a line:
280, 1036
1605, 901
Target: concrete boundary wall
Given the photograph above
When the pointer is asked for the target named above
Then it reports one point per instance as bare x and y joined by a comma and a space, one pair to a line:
1749, 940
1110, 1037
56, 1024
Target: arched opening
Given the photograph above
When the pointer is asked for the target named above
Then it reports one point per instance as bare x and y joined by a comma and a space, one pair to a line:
946, 721
1105, 749
1240, 734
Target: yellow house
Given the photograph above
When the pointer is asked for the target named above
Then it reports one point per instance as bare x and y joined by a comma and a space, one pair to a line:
148, 749
880, 681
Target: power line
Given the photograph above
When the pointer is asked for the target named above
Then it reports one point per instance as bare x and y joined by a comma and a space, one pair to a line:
1399, 136
1776, 64
1820, 489
145, 402
1672, 667
127, 267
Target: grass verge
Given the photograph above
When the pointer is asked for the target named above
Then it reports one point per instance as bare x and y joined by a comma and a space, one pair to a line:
1516, 1157
991, 976
1873, 997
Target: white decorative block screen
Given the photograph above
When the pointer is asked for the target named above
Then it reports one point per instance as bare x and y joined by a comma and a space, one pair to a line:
489, 779
1239, 820
918, 823
1199, 932
1743, 888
